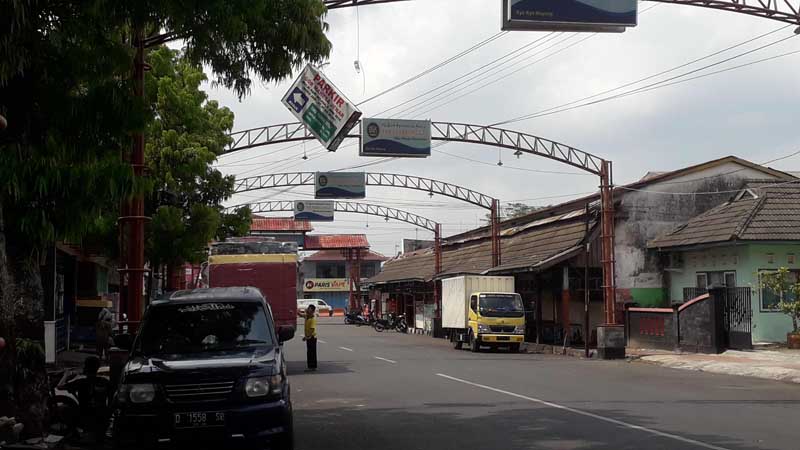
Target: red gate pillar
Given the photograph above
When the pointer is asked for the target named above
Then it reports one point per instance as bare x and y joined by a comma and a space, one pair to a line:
607, 242
354, 265
495, 230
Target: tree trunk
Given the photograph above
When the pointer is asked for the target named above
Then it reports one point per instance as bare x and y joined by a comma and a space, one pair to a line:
31, 377
7, 332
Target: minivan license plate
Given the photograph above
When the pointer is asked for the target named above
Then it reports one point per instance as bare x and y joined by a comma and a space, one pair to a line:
199, 419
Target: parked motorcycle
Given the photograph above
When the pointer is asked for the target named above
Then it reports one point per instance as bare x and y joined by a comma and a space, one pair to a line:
394, 322
355, 318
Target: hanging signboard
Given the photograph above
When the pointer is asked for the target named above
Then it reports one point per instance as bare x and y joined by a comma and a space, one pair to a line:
570, 15
398, 138
313, 211
326, 285
324, 110
340, 185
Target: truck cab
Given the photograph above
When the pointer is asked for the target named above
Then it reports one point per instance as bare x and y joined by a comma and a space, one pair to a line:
495, 319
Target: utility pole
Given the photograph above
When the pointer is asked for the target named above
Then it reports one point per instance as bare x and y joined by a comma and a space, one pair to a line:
132, 218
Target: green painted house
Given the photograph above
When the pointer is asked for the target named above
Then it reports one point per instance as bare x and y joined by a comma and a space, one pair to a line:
732, 244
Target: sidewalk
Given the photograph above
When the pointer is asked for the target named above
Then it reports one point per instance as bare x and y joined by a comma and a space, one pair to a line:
779, 364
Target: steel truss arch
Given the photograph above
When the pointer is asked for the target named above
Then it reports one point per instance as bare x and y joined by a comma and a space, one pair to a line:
440, 131
350, 207
373, 179
787, 11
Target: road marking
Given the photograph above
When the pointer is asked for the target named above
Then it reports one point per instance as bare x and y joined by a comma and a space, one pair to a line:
384, 359
321, 341
587, 414
347, 349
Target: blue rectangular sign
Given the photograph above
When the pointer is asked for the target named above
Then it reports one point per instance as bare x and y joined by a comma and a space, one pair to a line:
397, 138
340, 185
314, 210
539, 14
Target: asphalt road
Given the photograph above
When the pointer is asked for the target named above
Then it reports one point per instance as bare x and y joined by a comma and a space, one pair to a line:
394, 391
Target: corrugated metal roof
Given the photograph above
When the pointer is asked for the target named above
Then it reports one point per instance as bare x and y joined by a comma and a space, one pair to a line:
334, 255
774, 215
280, 224
335, 241
528, 249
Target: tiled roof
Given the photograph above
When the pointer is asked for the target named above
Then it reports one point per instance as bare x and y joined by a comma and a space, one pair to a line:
334, 255
774, 215
279, 224
335, 241
529, 248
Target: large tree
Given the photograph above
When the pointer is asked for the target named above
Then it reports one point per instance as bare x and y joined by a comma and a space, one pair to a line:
187, 134
66, 90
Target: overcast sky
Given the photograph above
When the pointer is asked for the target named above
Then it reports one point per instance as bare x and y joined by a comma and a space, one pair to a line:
751, 112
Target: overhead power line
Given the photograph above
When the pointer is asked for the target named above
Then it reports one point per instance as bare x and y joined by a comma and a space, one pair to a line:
572, 105
434, 68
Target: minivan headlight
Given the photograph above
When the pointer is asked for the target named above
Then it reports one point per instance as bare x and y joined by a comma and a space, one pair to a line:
261, 386
139, 393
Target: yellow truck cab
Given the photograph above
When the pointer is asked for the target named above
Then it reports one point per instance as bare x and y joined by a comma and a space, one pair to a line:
482, 311
496, 318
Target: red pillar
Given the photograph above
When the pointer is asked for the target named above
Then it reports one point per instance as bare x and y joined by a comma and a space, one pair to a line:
566, 297
607, 242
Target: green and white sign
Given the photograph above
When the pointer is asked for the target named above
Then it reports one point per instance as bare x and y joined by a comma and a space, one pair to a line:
324, 110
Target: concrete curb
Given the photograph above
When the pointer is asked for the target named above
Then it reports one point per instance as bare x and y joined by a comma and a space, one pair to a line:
545, 349
766, 372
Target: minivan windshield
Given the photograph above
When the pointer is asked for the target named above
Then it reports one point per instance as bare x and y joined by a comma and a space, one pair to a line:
204, 327
501, 305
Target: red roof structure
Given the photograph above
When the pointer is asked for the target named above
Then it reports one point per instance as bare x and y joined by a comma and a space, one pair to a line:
335, 241
280, 224
333, 255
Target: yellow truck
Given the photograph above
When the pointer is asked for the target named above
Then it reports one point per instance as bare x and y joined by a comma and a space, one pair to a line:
482, 311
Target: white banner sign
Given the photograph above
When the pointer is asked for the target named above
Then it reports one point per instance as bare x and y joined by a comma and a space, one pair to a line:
340, 185
324, 110
393, 137
313, 211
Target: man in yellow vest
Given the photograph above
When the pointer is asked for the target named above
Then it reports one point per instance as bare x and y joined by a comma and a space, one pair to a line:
311, 337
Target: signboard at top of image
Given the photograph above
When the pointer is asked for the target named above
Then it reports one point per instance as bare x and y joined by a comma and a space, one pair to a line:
314, 211
398, 138
322, 108
597, 16
340, 185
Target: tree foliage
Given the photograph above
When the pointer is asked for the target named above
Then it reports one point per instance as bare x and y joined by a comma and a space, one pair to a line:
66, 91
187, 134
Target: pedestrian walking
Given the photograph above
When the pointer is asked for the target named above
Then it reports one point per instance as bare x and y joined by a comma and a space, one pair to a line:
311, 337
103, 327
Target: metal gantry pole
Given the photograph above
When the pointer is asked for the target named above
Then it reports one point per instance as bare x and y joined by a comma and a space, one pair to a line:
495, 230
607, 242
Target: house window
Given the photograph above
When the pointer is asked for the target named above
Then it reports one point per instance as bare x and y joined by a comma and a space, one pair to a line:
702, 281
730, 279
770, 258
790, 258
770, 299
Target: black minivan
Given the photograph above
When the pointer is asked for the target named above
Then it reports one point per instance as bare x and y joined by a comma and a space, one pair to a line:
206, 365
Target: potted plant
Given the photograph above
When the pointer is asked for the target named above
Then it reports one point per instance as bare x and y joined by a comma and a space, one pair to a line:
787, 289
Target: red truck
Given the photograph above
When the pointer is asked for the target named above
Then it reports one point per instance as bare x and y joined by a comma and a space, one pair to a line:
268, 265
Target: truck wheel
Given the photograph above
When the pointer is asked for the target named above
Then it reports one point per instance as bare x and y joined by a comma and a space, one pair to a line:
474, 343
514, 348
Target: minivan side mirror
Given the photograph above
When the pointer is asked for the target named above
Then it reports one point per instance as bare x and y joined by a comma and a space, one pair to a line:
285, 334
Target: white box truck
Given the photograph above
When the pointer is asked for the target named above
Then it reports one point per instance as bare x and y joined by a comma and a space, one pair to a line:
482, 311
